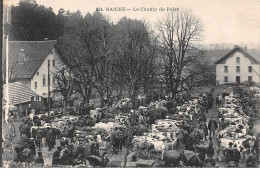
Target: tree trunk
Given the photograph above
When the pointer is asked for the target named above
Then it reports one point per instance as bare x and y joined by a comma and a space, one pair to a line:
87, 95
101, 100
64, 107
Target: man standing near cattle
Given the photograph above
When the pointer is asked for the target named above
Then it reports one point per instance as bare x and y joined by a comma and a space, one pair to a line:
39, 137
49, 138
212, 126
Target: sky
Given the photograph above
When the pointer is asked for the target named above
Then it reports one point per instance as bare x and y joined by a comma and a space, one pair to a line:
225, 21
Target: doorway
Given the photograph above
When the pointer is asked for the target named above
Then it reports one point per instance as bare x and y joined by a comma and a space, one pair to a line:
238, 79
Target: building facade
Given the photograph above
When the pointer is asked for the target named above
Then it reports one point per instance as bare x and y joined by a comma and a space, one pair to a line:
237, 66
28, 66
39, 81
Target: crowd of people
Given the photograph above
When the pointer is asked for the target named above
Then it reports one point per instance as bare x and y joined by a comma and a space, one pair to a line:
83, 139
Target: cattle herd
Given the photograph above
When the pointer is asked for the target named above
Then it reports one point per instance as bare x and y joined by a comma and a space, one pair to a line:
169, 132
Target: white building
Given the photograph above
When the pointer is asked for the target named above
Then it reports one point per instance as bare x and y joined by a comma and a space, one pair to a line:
237, 66
28, 65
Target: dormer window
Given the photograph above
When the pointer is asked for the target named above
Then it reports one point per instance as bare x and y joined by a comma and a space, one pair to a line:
21, 56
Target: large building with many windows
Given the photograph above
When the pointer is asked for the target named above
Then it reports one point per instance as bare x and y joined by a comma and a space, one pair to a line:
237, 66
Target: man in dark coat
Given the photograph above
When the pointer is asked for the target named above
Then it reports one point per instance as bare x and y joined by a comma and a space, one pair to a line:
203, 118
71, 130
39, 159
35, 120
81, 155
38, 123
56, 156
212, 126
236, 155
204, 127
229, 153
39, 137
222, 124
49, 138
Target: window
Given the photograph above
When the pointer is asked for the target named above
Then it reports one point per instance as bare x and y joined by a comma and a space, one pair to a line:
35, 85
37, 98
238, 79
53, 63
238, 60
225, 68
249, 78
225, 79
44, 80
21, 56
53, 79
250, 69
238, 69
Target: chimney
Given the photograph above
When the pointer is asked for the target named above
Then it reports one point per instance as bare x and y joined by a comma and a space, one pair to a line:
246, 47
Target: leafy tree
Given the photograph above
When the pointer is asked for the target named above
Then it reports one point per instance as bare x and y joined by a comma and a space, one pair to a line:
33, 22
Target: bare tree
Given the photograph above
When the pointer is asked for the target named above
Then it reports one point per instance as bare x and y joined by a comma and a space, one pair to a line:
89, 42
136, 54
72, 51
99, 43
180, 31
66, 86
134, 62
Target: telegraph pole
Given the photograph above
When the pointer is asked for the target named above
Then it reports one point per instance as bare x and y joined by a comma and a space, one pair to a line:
5, 7
49, 101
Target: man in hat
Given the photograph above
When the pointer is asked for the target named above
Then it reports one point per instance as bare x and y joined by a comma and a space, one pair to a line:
56, 156
204, 127
228, 153
212, 126
236, 155
49, 138
39, 137
81, 153
222, 123
38, 123
39, 159
35, 119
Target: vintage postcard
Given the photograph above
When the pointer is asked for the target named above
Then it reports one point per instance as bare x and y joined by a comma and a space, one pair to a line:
131, 84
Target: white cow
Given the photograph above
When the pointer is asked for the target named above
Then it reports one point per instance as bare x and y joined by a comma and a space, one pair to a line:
159, 146
225, 141
107, 126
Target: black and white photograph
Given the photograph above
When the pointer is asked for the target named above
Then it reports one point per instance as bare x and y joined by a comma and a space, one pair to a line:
130, 84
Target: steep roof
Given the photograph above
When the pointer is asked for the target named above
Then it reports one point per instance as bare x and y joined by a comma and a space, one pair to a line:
253, 59
35, 54
213, 55
18, 93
